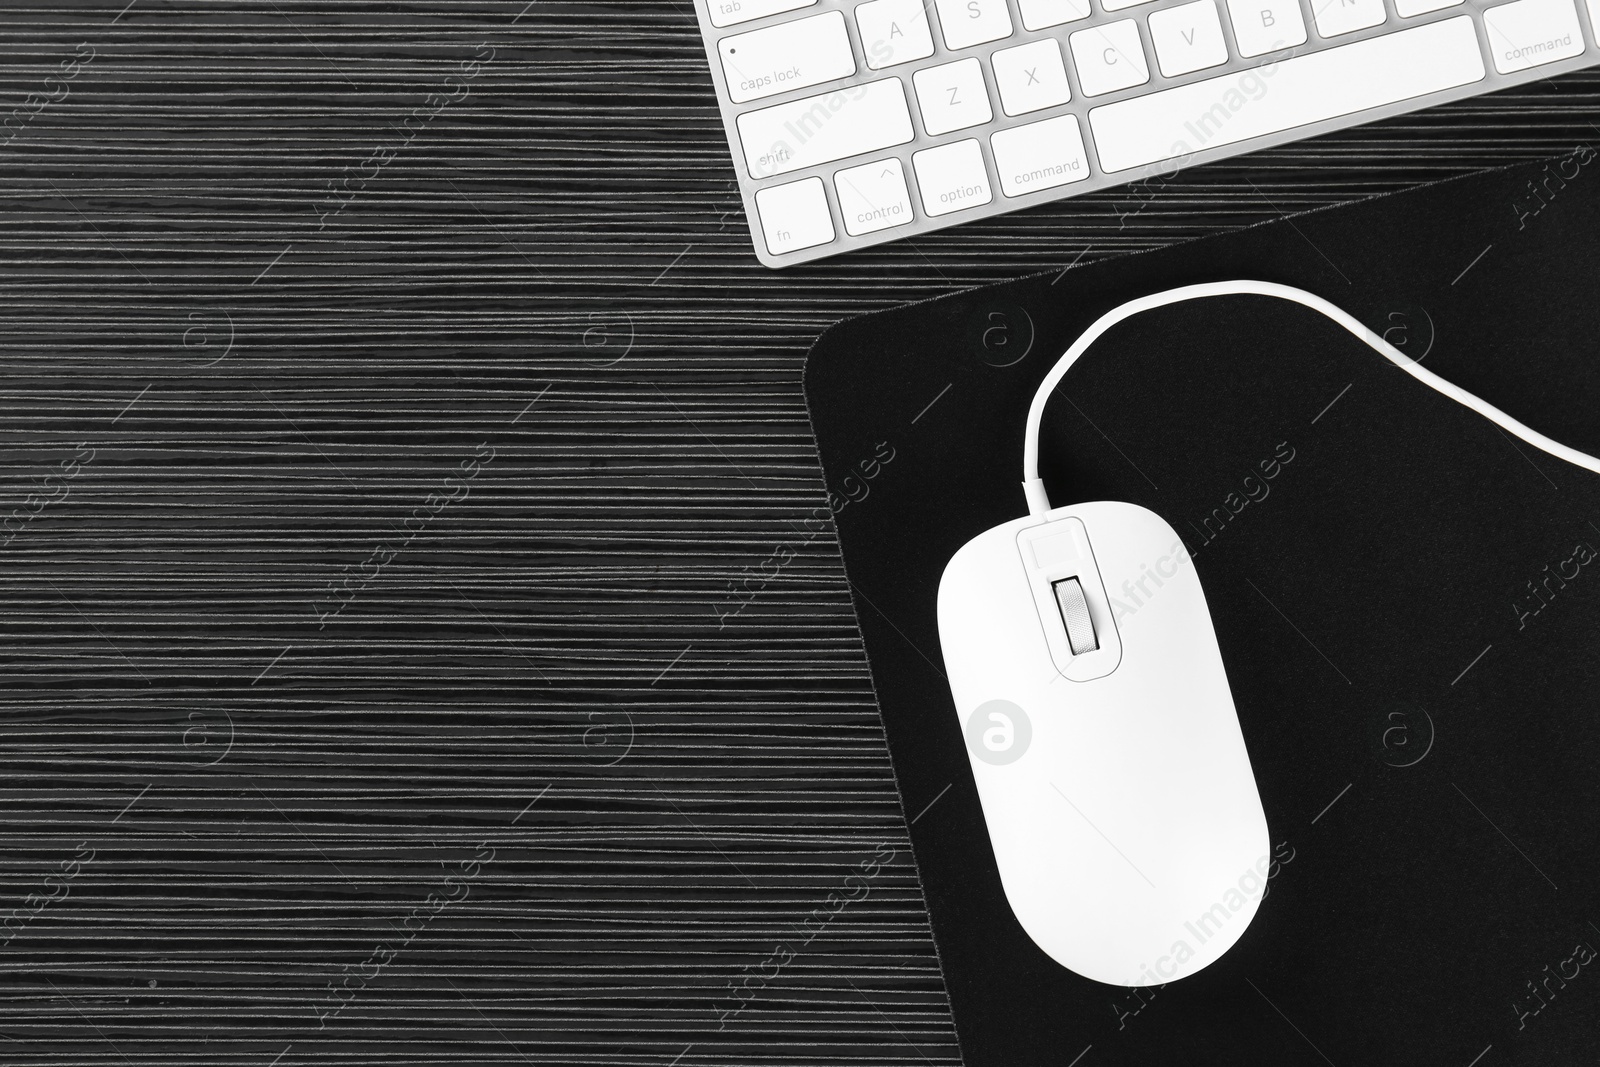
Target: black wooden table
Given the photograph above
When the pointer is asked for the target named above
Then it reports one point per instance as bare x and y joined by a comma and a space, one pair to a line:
415, 648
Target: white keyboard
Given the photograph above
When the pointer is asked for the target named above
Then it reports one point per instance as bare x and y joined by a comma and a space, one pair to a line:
854, 123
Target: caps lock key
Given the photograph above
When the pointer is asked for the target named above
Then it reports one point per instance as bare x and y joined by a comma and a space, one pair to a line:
792, 55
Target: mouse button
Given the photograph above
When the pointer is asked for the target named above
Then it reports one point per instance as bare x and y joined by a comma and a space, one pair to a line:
1076, 619
1067, 546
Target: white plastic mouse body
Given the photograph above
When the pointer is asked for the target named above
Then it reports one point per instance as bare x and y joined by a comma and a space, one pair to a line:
1120, 802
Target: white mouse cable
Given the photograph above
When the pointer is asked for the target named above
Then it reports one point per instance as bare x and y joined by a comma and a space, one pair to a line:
1039, 502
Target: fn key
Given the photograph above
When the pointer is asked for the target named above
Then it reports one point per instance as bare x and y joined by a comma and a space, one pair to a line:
794, 216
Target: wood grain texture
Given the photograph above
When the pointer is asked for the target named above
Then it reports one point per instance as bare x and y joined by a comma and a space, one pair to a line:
419, 648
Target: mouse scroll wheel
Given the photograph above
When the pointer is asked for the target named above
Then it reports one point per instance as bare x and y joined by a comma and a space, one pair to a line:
1075, 613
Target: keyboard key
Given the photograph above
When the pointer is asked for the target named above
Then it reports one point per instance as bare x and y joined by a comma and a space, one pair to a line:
1109, 57
1530, 33
820, 129
952, 96
894, 32
1042, 14
1336, 17
1040, 155
1188, 38
952, 177
1173, 123
733, 12
873, 197
794, 216
1409, 8
969, 22
790, 55
1262, 26
1031, 77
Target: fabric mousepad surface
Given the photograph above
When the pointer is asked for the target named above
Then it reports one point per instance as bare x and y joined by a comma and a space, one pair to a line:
1407, 601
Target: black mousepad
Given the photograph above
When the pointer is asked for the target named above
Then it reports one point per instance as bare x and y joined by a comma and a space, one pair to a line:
1407, 600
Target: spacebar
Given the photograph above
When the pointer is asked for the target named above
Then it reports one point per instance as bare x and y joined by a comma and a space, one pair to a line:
1273, 97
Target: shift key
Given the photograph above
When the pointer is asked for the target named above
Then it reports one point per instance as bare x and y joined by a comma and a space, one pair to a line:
790, 55
820, 129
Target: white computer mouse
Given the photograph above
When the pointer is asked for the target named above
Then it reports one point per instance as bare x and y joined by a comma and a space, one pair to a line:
1115, 784
1087, 682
